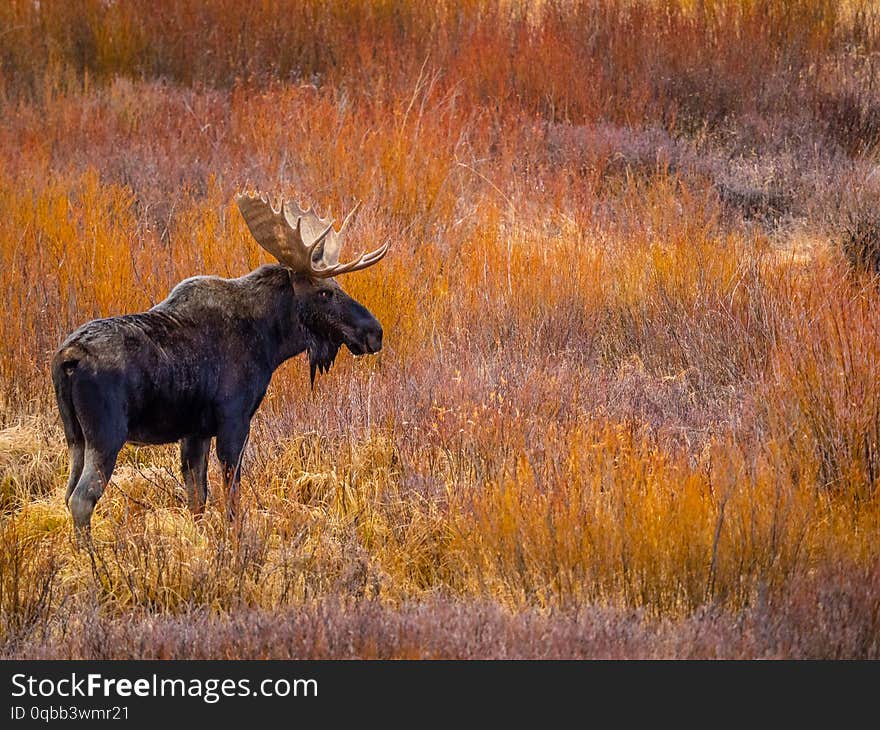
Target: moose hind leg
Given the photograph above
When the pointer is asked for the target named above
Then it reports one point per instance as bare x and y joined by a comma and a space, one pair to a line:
101, 418
194, 465
77, 452
97, 468
73, 433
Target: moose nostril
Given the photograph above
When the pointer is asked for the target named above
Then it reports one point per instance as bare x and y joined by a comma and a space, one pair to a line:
374, 341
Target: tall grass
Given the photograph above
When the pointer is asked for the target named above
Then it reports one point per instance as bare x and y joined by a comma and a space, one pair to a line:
628, 382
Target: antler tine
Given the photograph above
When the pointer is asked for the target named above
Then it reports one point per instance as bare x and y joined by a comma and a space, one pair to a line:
362, 262
278, 226
312, 246
349, 217
371, 258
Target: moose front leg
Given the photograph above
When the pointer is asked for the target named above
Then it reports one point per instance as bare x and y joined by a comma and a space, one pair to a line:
231, 439
194, 465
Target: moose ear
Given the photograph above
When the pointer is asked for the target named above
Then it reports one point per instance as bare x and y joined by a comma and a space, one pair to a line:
292, 277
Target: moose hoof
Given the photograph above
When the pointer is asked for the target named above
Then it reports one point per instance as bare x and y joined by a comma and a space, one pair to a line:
81, 509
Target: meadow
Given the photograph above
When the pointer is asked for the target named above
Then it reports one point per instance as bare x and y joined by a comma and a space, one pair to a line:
628, 403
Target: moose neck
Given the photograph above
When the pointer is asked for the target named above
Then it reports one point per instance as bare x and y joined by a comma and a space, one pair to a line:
274, 306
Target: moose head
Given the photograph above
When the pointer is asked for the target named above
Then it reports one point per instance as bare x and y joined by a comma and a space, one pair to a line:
309, 247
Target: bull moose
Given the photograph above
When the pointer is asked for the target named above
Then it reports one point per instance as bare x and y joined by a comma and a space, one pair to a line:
196, 366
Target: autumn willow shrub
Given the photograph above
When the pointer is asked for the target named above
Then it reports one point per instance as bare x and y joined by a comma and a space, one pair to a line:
822, 398
686, 64
860, 238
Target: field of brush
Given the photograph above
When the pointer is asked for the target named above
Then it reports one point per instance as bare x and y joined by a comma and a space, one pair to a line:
629, 399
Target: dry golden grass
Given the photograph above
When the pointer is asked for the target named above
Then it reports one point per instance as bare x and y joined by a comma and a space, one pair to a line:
617, 388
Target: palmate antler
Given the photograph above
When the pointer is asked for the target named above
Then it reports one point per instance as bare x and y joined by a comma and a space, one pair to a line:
298, 238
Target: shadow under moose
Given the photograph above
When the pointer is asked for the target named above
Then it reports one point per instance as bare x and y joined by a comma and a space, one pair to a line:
197, 365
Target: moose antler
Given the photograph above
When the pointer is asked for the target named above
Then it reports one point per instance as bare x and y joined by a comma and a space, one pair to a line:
298, 238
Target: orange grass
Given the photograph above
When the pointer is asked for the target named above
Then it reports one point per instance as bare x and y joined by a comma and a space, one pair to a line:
604, 385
